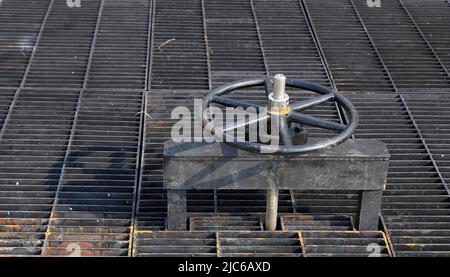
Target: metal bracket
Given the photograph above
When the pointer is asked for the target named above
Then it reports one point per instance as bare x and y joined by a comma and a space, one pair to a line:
358, 165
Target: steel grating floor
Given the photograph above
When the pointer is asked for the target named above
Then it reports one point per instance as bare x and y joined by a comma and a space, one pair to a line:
86, 95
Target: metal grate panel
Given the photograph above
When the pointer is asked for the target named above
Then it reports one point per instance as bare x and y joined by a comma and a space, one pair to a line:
295, 55
326, 202
352, 60
20, 24
414, 192
433, 19
419, 70
93, 208
32, 149
178, 244
345, 244
179, 46
64, 47
263, 244
120, 57
224, 223
234, 48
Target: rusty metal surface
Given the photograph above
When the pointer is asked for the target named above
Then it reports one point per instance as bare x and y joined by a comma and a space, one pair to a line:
262, 244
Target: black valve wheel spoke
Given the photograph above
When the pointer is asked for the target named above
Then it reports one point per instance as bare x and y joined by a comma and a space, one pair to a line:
283, 130
305, 104
315, 122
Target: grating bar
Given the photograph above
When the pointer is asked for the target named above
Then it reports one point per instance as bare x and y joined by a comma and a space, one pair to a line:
316, 222
224, 223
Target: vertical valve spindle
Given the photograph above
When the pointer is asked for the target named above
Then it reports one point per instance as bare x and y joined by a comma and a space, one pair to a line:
279, 85
279, 101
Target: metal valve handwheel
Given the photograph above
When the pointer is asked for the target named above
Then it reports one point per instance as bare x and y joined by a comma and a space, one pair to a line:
279, 108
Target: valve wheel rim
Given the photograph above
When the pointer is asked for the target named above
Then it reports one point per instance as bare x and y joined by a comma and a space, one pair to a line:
327, 95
